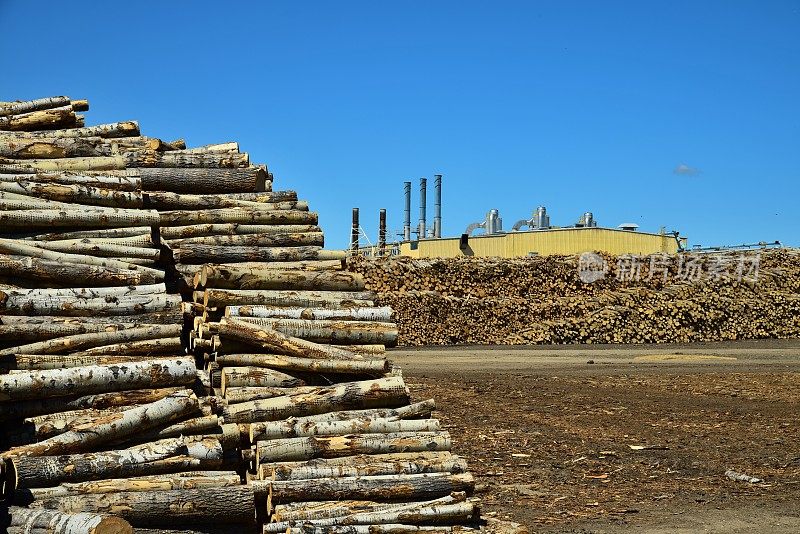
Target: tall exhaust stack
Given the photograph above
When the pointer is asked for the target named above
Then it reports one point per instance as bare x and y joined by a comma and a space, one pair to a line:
354, 232
382, 232
407, 214
437, 206
423, 207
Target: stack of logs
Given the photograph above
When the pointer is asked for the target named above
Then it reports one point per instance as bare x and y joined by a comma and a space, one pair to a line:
685, 298
179, 354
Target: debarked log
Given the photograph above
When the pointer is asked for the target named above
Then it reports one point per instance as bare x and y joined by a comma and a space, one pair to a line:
97, 379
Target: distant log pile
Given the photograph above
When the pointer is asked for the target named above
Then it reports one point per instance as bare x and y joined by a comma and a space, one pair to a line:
651, 299
178, 353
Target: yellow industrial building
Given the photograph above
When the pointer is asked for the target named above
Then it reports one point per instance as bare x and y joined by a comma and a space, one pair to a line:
544, 242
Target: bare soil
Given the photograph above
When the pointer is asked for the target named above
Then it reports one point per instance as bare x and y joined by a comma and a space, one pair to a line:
610, 438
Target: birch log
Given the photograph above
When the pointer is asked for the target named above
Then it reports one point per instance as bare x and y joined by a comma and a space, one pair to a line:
310, 447
270, 297
315, 239
291, 428
44, 521
172, 346
267, 338
197, 254
116, 426
256, 377
196, 181
47, 119
76, 193
331, 331
96, 379
102, 306
382, 314
169, 481
291, 363
39, 331
60, 273
407, 463
381, 393
232, 504
259, 277
109, 217
26, 106
173, 233
385, 487
117, 183
162, 200
110, 130
80, 342
318, 510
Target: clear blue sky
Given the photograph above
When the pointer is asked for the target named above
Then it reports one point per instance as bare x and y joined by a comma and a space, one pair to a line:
683, 114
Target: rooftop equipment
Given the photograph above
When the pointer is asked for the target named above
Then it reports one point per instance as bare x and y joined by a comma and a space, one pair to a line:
629, 227
587, 221
492, 225
539, 221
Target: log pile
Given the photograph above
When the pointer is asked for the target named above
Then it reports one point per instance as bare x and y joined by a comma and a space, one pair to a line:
179, 354
659, 299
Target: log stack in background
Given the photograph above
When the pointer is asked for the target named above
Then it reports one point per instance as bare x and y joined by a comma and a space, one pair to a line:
180, 354
543, 299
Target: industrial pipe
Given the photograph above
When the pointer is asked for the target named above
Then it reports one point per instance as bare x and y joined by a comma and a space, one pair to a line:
354, 233
382, 233
437, 206
423, 207
407, 214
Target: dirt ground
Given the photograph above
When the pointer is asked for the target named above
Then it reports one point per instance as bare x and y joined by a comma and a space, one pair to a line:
617, 438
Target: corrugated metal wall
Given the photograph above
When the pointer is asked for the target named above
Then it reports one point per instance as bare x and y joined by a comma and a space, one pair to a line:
556, 241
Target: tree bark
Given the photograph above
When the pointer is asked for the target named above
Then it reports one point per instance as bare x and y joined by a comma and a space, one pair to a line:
99, 163
80, 342
291, 363
382, 314
237, 215
257, 377
310, 447
162, 200
41, 362
267, 338
382, 393
387, 487
53, 522
114, 427
407, 463
292, 429
286, 299
103, 250
96, 379
43, 330
233, 504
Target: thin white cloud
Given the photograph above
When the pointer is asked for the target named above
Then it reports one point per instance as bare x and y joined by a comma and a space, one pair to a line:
686, 170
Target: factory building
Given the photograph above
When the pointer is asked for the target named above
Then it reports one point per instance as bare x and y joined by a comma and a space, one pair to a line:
528, 237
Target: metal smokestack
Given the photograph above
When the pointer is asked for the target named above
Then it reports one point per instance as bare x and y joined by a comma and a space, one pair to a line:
407, 214
382, 233
423, 207
354, 233
437, 206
